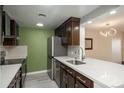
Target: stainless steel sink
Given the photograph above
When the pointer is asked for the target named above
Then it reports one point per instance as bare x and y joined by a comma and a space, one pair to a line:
75, 62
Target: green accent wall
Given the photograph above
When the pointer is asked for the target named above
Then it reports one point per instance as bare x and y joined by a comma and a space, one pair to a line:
36, 40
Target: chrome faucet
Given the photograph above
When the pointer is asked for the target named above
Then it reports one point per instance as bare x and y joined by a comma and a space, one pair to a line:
82, 56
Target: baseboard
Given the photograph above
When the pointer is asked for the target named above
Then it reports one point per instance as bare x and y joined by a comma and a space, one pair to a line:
37, 72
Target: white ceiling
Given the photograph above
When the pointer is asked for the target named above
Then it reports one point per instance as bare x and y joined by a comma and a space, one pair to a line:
27, 15
116, 20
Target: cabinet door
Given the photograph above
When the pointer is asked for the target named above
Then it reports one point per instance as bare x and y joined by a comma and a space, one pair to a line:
69, 32
9, 41
6, 24
78, 84
70, 77
76, 33
73, 33
1, 25
70, 81
14, 28
64, 35
58, 32
63, 78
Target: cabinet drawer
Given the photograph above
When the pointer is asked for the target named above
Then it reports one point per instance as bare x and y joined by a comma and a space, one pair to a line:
70, 71
84, 80
78, 84
63, 66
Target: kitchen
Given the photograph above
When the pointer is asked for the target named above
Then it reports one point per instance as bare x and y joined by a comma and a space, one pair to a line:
40, 49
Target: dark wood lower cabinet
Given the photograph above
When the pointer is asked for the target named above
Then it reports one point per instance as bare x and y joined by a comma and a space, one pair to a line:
84, 80
78, 84
72, 79
63, 77
67, 77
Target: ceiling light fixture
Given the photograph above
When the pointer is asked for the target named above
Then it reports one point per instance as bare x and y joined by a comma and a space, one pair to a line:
109, 32
113, 12
39, 24
89, 22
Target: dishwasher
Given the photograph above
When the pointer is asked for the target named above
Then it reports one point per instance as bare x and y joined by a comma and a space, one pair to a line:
56, 72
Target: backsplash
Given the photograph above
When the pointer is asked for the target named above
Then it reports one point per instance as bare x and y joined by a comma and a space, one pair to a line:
13, 52
73, 51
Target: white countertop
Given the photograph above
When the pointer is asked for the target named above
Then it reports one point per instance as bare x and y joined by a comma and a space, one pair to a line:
7, 73
104, 73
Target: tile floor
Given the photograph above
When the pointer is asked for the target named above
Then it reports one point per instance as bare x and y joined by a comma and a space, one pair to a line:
39, 81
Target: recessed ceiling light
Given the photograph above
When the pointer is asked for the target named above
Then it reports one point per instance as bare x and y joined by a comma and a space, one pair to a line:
39, 24
89, 22
113, 12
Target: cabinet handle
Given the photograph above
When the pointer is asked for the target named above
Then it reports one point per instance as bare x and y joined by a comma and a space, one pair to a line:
84, 81
63, 66
69, 71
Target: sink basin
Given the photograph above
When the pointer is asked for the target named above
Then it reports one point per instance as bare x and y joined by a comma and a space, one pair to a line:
75, 62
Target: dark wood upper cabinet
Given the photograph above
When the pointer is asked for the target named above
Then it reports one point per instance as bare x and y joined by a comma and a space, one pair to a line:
14, 28
69, 31
6, 24
10, 30
58, 32
73, 31
1, 8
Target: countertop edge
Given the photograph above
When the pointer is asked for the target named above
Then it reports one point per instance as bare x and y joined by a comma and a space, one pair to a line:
94, 80
9, 81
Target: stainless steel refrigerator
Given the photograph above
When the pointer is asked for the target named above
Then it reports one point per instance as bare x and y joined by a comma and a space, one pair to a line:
54, 49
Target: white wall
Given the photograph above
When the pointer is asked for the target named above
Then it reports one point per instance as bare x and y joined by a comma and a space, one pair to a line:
117, 47
102, 46
105, 48
123, 47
